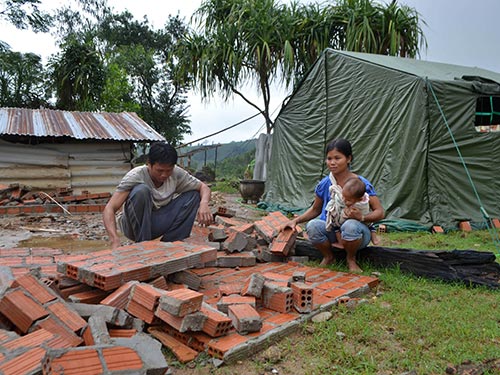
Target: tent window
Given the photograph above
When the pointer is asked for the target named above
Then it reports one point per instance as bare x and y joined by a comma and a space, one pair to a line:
488, 114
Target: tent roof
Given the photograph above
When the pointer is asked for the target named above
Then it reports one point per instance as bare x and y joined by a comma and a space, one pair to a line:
421, 68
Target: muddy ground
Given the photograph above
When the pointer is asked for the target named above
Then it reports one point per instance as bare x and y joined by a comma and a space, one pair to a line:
85, 232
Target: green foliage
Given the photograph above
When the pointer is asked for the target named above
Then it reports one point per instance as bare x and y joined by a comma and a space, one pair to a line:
25, 14
229, 186
224, 151
78, 76
235, 167
116, 94
22, 80
412, 325
264, 41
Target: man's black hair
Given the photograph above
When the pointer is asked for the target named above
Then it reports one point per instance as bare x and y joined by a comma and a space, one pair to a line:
162, 153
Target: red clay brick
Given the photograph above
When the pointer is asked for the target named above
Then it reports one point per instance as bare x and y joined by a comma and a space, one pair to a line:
25, 363
225, 301
141, 312
218, 347
181, 351
496, 223
303, 296
74, 362
465, 226
122, 332
31, 340
217, 323
230, 288
121, 358
437, 229
181, 302
147, 295
93, 296
53, 325
120, 297
284, 242
67, 315
21, 310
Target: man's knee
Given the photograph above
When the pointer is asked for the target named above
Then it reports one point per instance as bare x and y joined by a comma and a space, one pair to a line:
140, 192
191, 198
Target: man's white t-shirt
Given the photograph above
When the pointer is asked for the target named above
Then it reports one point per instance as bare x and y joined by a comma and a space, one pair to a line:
179, 182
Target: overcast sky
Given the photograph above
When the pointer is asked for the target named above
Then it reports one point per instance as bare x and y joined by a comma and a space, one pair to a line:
459, 32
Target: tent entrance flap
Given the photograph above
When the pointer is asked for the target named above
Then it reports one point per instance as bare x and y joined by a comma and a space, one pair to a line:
488, 220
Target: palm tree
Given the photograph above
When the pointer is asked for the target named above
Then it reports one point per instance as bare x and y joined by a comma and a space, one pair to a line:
265, 42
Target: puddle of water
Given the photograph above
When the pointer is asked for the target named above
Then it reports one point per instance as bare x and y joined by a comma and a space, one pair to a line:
67, 243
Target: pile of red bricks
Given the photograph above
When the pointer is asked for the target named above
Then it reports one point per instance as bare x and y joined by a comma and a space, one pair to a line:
18, 198
229, 296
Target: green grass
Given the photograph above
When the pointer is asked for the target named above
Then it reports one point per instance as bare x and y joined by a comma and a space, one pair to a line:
408, 324
412, 324
480, 240
230, 186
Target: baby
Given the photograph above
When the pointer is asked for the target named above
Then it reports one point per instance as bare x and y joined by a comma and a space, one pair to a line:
354, 195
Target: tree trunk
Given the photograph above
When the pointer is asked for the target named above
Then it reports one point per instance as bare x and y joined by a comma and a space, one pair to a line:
468, 266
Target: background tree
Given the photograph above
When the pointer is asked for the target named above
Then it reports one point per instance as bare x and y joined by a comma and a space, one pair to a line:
22, 80
147, 58
25, 14
132, 64
263, 42
77, 76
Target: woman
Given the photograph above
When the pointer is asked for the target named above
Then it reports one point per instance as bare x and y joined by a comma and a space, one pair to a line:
355, 234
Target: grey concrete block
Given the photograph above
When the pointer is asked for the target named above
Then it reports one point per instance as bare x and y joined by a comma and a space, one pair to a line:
189, 278
269, 257
111, 315
236, 260
299, 259
99, 330
235, 242
6, 276
245, 318
254, 285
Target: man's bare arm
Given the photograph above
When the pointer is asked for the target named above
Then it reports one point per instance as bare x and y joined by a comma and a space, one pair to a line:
204, 216
108, 215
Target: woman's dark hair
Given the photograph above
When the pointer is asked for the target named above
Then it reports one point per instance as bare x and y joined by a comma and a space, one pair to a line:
341, 145
162, 153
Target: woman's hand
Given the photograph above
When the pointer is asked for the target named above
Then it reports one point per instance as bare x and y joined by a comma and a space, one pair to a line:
353, 213
290, 224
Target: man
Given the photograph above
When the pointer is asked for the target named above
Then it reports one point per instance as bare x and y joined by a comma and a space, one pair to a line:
161, 199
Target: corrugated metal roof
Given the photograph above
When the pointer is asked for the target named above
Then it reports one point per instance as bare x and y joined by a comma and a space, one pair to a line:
125, 126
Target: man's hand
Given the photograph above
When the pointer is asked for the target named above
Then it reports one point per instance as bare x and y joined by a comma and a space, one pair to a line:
115, 243
204, 215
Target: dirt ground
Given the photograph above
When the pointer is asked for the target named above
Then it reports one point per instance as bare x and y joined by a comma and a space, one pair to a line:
85, 232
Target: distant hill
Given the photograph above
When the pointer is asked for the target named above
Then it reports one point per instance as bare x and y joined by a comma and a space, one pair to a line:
206, 152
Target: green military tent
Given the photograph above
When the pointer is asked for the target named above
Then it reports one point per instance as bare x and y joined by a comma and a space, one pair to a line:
414, 126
